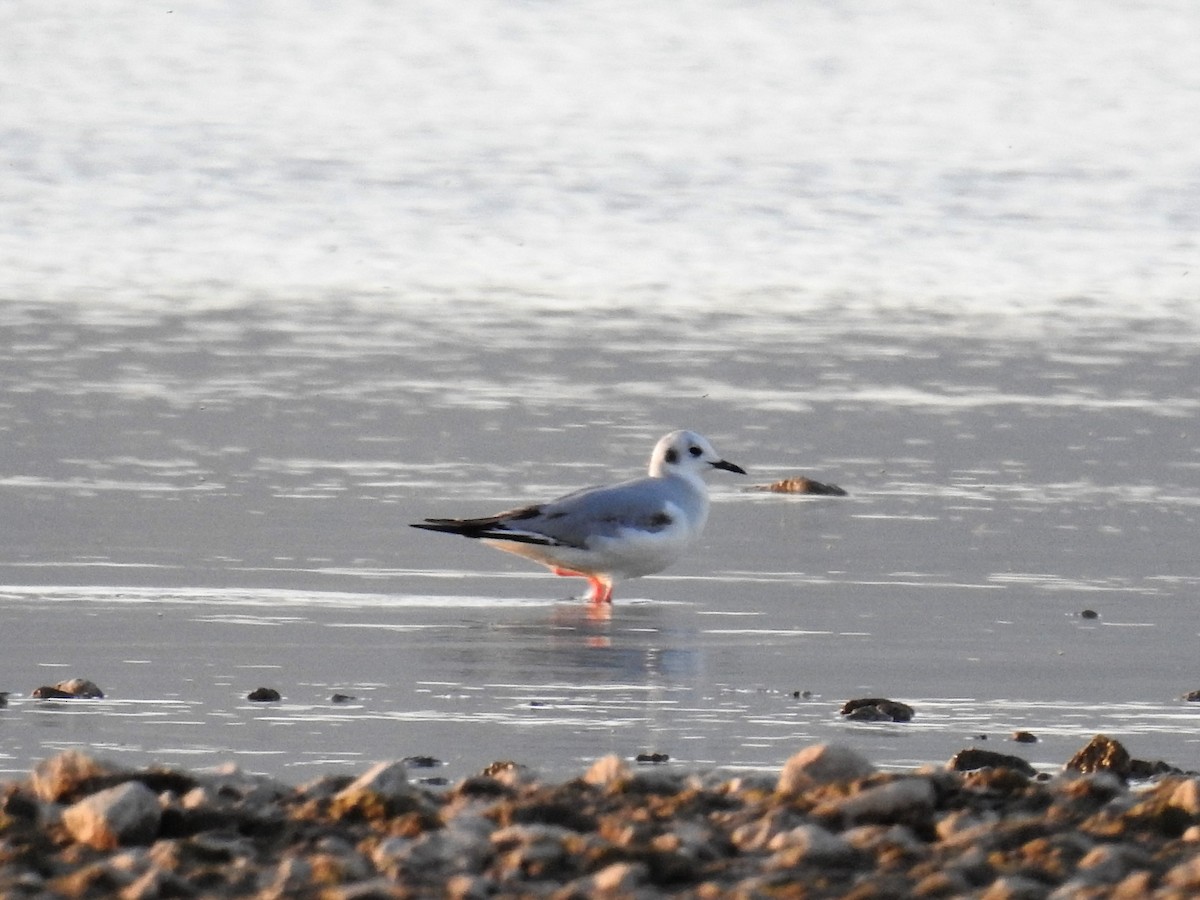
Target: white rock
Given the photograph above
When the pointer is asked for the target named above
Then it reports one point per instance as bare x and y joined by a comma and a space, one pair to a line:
387, 779
607, 771
469, 887
820, 764
1109, 863
290, 878
755, 835
619, 878
884, 800
60, 775
229, 781
815, 844
126, 814
1187, 796
1185, 875
1015, 887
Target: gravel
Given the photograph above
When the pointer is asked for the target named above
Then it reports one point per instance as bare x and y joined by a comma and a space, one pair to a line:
828, 825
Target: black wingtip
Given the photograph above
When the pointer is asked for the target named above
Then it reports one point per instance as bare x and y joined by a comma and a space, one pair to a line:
449, 526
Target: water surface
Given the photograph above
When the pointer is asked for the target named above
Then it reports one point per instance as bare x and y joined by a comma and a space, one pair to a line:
277, 280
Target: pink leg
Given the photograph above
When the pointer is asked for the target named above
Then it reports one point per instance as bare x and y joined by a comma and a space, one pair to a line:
601, 590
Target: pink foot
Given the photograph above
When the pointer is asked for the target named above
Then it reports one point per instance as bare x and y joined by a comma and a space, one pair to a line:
601, 590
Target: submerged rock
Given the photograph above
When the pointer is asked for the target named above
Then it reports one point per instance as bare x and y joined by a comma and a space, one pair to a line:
877, 709
973, 758
422, 762
652, 758
47, 692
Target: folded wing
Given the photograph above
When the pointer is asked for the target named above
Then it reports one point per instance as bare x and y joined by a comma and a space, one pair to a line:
647, 504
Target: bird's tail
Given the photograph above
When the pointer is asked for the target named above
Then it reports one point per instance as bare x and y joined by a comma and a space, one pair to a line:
493, 527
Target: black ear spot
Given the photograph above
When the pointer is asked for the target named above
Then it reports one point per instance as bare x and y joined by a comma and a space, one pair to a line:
672, 456
694, 450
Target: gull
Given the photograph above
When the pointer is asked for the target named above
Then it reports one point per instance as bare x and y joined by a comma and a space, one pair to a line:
609, 533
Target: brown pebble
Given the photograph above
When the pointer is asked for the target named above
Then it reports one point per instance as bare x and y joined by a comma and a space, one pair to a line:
1024, 737
1101, 754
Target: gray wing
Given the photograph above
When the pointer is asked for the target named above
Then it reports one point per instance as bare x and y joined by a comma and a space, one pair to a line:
576, 518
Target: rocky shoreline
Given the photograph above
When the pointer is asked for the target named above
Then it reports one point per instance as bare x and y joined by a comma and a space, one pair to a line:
828, 825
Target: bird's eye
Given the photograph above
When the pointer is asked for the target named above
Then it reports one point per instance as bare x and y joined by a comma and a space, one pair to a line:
695, 451
672, 456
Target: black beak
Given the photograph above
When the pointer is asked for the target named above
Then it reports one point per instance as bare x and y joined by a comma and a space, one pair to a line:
728, 466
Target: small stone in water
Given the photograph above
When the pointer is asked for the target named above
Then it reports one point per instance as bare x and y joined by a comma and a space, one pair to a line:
1089, 614
263, 695
877, 709
1024, 737
972, 758
341, 698
802, 695
422, 762
1192, 696
652, 757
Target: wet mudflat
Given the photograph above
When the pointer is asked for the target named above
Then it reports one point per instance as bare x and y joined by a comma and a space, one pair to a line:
243, 524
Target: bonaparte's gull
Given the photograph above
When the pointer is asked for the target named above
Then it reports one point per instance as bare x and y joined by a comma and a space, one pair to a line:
609, 533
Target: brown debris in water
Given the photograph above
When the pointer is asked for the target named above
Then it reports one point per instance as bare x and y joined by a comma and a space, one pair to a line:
71, 689
798, 484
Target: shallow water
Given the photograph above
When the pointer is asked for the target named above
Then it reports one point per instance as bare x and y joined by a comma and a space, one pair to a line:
204, 504
275, 282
